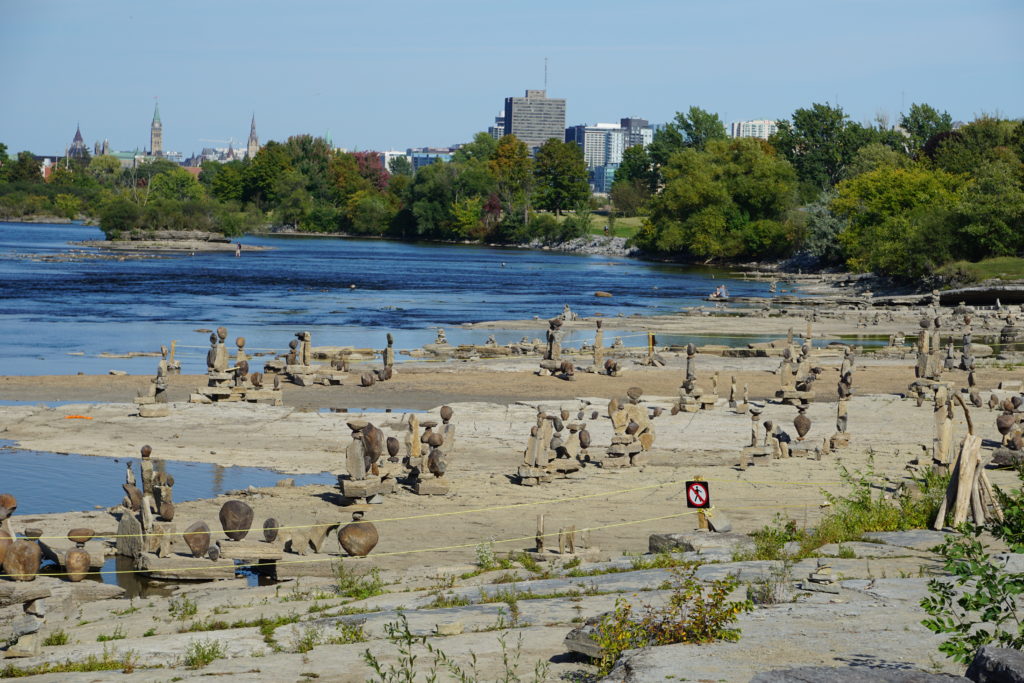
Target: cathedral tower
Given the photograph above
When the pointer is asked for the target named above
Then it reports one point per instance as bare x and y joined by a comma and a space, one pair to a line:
254, 142
156, 134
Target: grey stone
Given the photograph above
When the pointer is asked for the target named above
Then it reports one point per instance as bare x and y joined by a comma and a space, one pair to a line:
129, 536
997, 665
852, 674
918, 539
698, 541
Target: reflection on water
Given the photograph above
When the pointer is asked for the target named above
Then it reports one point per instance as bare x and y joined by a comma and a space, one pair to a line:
50, 482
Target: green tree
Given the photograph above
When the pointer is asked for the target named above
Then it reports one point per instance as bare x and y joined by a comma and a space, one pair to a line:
899, 219
370, 212
226, 181
991, 213
923, 121
965, 150
25, 169
820, 230
263, 174
561, 176
176, 184
67, 205
5, 163
119, 216
482, 148
513, 174
105, 169
311, 157
637, 168
729, 200
875, 155
820, 143
400, 166
694, 129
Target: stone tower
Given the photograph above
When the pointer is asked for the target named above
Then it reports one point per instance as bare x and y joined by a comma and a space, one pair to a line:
156, 133
254, 141
78, 149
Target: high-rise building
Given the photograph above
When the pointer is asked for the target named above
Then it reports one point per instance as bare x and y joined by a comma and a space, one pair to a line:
497, 131
156, 133
254, 142
78, 149
535, 119
763, 129
602, 143
636, 132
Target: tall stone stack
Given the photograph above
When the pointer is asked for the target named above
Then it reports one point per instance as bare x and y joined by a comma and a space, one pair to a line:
232, 383
553, 364
364, 480
535, 468
154, 402
691, 396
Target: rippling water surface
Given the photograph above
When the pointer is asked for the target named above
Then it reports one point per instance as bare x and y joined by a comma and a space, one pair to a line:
49, 310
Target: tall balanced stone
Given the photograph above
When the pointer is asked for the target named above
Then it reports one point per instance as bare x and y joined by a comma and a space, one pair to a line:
76, 564
197, 538
129, 536
236, 519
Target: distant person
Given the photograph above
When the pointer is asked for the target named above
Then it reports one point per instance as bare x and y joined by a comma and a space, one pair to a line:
238, 250
607, 231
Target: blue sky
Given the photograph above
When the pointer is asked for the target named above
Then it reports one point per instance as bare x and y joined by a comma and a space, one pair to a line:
398, 74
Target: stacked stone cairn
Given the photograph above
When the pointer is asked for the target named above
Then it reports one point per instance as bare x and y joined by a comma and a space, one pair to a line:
691, 396
154, 402
633, 432
235, 382
368, 478
844, 390
797, 376
553, 364
549, 453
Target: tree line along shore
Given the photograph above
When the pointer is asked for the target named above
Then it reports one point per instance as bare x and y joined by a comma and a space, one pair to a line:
926, 200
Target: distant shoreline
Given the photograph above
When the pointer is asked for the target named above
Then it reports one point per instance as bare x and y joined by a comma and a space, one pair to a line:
166, 245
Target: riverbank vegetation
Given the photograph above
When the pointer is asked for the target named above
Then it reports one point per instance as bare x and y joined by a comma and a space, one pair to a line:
899, 200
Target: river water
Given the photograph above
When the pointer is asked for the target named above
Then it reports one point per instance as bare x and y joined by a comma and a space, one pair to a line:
49, 310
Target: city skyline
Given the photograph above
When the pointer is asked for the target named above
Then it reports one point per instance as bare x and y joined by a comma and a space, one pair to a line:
433, 76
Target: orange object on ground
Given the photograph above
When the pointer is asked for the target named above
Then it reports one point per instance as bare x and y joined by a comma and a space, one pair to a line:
77, 417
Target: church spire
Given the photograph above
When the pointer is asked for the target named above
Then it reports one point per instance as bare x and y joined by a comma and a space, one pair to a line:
156, 133
253, 145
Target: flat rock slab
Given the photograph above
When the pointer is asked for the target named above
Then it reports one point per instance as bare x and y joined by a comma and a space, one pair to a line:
861, 549
698, 541
918, 539
853, 674
997, 665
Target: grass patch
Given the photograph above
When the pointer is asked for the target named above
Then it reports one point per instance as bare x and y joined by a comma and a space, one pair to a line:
357, 585
58, 637
125, 662
662, 560
1003, 267
200, 653
118, 634
871, 504
182, 608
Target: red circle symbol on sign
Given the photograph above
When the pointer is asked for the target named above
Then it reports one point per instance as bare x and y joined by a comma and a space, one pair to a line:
696, 494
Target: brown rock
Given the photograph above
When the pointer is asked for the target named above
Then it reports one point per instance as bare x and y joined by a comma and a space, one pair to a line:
167, 511
358, 538
435, 440
76, 564
134, 496
22, 560
81, 535
270, 529
632, 428
367, 379
197, 538
446, 413
373, 442
635, 393
235, 519
394, 446
9, 503
584, 438
1005, 422
5, 543
436, 464
802, 424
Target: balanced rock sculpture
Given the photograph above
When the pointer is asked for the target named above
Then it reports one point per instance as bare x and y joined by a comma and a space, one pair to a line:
76, 564
80, 536
358, 538
197, 538
270, 528
802, 423
21, 563
236, 519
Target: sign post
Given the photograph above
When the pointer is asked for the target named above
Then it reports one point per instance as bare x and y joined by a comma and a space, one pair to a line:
698, 496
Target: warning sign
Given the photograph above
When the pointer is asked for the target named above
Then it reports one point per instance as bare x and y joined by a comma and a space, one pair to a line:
698, 495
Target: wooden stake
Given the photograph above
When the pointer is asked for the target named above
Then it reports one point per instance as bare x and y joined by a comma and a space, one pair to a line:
540, 533
572, 539
969, 457
977, 509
